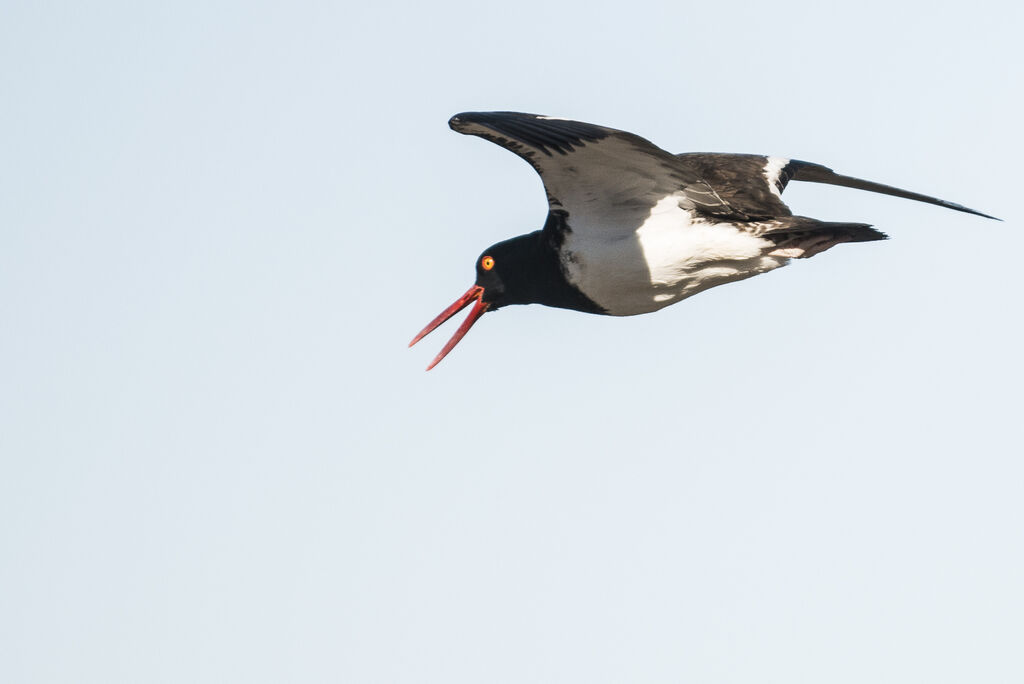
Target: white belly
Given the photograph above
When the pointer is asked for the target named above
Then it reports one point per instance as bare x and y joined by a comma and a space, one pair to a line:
668, 257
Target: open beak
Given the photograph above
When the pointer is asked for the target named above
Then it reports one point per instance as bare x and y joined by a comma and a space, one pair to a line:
474, 293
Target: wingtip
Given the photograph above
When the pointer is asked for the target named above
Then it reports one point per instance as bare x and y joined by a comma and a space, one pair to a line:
979, 213
967, 210
463, 120
456, 122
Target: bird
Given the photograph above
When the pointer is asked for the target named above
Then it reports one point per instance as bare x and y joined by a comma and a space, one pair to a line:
632, 228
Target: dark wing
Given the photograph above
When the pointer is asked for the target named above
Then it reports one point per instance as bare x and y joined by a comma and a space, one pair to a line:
749, 183
607, 180
816, 173
753, 184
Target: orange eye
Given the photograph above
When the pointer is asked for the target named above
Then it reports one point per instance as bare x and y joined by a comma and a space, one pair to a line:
487, 263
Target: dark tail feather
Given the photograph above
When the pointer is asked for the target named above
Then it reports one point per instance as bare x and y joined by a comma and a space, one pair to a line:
816, 173
856, 232
801, 237
787, 227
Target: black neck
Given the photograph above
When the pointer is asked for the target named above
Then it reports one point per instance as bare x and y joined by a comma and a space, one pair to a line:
538, 278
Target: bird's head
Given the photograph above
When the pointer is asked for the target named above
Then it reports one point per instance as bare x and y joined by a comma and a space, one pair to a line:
523, 270
503, 276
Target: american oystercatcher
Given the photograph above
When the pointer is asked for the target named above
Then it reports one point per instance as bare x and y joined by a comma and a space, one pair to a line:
632, 228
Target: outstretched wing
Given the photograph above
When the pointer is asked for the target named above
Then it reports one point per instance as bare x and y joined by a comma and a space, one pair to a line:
753, 184
607, 180
816, 173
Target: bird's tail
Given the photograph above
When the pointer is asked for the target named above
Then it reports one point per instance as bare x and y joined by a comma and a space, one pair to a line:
800, 237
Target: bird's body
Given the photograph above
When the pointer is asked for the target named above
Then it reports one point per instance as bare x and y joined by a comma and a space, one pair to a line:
674, 255
632, 228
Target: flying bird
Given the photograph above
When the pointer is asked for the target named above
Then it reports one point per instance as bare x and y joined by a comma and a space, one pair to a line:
632, 228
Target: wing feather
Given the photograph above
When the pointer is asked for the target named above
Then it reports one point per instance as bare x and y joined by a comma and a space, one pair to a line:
816, 173
607, 180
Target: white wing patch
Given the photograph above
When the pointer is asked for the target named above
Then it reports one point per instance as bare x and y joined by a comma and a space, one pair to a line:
772, 171
607, 186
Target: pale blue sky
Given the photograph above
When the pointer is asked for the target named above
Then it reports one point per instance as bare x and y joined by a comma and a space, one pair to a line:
222, 222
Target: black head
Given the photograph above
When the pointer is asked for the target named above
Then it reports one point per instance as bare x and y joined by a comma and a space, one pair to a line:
506, 272
500, 276
522, 270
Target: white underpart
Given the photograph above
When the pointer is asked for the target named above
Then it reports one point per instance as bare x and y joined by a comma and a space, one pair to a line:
670, 256
771, 173
788, 252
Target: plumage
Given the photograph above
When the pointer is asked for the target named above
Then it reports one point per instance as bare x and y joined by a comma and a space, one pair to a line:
632, 228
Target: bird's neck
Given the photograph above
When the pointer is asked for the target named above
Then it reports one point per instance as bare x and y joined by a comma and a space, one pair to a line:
541, 279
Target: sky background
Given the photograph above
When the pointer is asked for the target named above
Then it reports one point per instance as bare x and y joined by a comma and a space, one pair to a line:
222, 222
